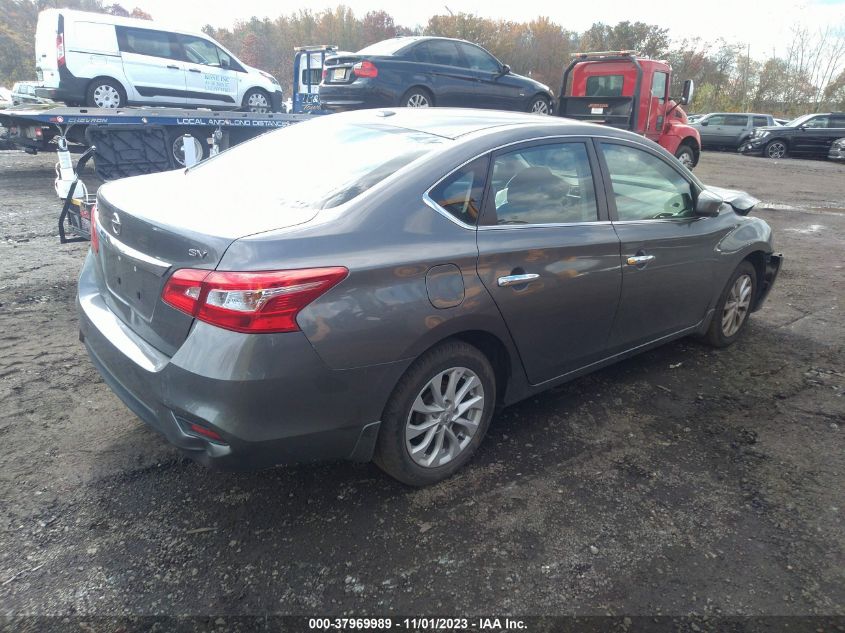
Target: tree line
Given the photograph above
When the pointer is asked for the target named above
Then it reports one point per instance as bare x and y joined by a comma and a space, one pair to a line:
808, 76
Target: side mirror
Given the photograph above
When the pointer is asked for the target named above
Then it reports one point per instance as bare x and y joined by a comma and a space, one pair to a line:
708, 204
689, 90
505, 69
704, 122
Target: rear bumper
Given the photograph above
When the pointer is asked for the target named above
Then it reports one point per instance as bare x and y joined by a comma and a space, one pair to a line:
357, 95
270, 398
70, 89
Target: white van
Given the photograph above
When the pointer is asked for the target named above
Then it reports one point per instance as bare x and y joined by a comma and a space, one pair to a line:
106, 61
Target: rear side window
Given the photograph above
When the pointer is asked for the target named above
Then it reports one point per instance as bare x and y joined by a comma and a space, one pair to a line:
363, 155
644, 186
605, 86
837, 122
146, 42
736, 120
761, 121
443, 52
460, 193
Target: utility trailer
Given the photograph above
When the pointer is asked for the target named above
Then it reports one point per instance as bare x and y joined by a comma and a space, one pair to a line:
126, 142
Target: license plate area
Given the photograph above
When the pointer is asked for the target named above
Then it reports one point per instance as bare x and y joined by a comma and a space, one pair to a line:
130, 283
339, 74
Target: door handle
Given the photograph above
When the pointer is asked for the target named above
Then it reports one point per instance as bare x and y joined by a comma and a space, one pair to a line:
640, 260
194, 70
516, 280
173, 67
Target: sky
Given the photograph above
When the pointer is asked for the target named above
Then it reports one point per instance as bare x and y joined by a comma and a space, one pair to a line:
764, 24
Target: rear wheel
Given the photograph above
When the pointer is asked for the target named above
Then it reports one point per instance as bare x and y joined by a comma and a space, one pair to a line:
105, 93
417, 98
437, 415
775, 149
734, 307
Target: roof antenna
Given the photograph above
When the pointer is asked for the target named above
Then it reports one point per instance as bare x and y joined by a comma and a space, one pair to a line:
449, 10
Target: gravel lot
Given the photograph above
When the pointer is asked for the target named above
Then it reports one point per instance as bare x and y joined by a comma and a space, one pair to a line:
684, 481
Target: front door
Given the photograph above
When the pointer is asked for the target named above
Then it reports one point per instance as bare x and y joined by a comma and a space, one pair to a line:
548, 255
209, 78
152, 64
667, 251
491, 88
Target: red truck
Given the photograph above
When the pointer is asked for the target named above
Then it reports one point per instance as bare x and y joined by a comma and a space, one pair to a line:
628, 91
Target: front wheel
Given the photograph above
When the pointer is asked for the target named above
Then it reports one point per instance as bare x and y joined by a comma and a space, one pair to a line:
734, 306
686, 156
437, 415
540, 105
256, 100
775, 149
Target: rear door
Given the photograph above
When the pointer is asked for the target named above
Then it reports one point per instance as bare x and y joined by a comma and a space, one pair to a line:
549, 256
453, 83
210, 76
667, 250
810, 138
46, 47
152, 62
736, 127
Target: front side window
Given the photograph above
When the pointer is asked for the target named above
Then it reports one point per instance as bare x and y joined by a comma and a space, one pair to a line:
715, 119
146, 42
478, 59
544, 184
816, 122
605, 86
200, 51
460, 193
658, 86
645, 187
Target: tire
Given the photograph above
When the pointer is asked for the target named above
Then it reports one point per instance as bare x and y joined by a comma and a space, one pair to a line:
257, 100
540, 105
724, 329
775, 149
403, 429
417, 98
105, 93
176, 145
686, 156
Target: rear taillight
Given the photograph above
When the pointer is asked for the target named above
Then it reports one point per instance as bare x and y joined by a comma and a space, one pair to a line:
60, 49
95, 238
325, 73
365, 69
252, 302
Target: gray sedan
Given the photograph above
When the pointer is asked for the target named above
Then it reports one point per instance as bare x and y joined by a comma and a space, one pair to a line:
267, 306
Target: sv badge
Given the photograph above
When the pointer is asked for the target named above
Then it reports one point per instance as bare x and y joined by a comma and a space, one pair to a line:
196, 252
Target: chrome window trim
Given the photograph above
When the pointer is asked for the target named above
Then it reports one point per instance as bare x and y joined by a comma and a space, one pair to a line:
500, 227
429, 201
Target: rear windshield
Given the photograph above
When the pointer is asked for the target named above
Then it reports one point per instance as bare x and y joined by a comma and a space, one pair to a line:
317, 164
385, 47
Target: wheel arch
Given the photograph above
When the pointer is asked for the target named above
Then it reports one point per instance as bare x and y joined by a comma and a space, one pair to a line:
694, 145
757, 258
111, 78
419, 86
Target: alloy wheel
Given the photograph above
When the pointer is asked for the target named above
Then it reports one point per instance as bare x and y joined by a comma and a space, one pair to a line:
540, 106
776, 150
686, 160
444, 417
737, 305
105, 96
257, 102
417, 100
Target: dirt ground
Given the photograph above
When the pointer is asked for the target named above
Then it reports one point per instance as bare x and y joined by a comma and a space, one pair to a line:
684, 481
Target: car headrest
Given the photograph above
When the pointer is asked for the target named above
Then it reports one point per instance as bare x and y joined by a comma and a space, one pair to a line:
535, 188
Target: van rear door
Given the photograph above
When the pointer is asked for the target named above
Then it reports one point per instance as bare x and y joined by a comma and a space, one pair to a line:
47, 42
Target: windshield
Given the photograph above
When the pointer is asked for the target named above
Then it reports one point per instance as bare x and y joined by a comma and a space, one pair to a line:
317, 164
801, 119
385, 47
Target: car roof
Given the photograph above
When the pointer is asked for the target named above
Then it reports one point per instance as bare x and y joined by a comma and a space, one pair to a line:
453, 123
409, 39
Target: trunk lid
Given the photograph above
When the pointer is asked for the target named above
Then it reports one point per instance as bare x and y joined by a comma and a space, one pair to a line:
339, 69
150, 226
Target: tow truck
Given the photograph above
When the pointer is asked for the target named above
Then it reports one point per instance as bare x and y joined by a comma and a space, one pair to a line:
627, 90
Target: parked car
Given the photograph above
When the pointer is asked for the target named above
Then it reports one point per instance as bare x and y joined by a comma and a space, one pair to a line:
811, 135
449, 261
23, 92
729, 130
5, 97
104, 61
837, 150
782, 121
419, 72
692, 118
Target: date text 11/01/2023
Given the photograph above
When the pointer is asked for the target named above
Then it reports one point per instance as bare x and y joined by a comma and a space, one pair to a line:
418, 624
